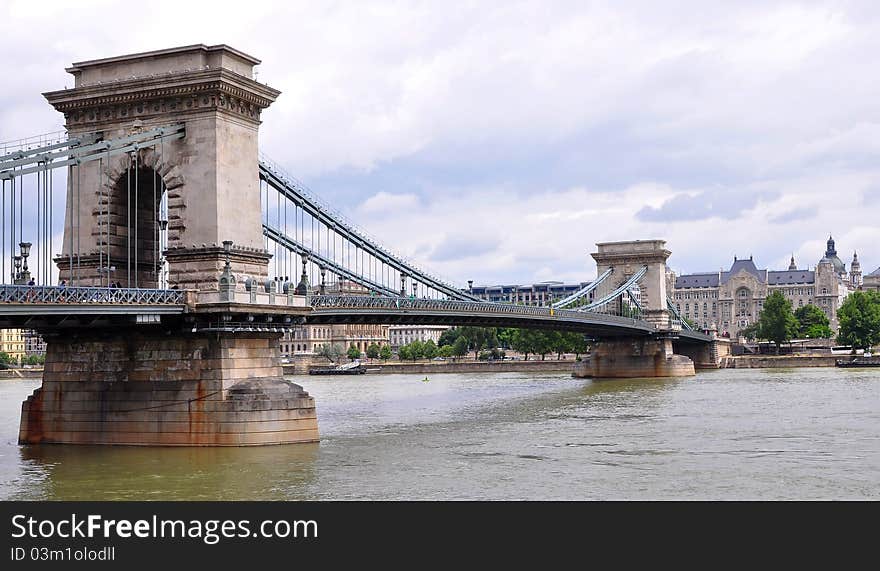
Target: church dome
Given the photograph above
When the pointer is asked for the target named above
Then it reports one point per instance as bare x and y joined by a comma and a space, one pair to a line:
831, 256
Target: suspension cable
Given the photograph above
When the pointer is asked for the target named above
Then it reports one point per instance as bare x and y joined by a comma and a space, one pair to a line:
136, 217
128, 223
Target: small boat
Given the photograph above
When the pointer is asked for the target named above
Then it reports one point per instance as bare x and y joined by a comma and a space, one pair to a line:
353, 368
859, 362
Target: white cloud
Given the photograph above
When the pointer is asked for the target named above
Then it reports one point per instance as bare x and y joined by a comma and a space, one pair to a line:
538, 128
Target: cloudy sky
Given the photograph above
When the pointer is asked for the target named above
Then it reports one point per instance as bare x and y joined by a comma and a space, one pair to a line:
499, 141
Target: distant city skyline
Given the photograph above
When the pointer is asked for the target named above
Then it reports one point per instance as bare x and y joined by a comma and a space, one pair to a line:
500, 141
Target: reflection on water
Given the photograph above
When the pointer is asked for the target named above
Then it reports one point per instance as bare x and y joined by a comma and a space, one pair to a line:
729, 434
149, 473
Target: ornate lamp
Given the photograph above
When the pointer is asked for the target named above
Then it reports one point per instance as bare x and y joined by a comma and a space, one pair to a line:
227, 280
16, 274
25, 248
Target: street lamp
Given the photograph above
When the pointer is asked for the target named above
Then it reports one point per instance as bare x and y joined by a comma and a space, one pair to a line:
16, 274
227, 247
25, 248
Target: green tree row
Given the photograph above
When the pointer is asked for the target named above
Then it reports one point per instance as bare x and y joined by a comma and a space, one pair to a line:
7, 359
486, 341
859, 318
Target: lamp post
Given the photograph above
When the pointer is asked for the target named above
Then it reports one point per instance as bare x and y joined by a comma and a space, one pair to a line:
16, 272
160, 254
25, 248
227, 247
227, 280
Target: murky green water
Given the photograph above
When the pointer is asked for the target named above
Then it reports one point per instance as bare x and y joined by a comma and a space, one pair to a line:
729, 434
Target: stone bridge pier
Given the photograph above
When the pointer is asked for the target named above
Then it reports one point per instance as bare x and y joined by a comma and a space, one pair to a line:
642, 356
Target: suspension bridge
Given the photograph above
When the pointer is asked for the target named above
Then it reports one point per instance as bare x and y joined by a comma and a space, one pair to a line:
186, 253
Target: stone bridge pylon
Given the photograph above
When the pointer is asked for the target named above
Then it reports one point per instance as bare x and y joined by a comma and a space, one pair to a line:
644, 356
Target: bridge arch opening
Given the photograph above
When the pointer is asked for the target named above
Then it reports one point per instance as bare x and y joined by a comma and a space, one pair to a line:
135, 228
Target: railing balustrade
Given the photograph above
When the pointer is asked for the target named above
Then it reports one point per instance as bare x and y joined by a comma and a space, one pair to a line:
89, 295
319, 302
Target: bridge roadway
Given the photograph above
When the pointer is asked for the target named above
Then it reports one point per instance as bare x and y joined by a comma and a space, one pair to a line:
44, 307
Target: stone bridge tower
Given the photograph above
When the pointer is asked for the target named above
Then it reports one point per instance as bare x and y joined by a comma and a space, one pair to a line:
182, 379
649, 356
209, 178
627, 258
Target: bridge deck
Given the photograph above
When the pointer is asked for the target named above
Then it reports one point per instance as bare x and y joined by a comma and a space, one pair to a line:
65, 307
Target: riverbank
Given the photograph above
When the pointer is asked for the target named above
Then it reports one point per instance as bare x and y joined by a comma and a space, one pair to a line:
433, 367
784, 361
21, 373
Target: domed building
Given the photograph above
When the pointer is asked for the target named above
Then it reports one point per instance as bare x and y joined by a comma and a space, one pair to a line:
731, 300
831, 256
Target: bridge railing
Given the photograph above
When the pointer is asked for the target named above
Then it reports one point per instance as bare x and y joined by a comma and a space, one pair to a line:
472, 307
89, 295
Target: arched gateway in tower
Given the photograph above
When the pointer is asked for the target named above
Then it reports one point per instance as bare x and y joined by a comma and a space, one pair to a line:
178, 200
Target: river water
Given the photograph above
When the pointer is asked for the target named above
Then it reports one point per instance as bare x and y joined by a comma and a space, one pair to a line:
727, 434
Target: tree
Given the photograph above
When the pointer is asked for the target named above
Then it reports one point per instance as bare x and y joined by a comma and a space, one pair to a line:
480, 337
372, 351
353, 352
332, 351
385, 352
429, 349
404, 353
505, 336
416, 350
777, 322
560, 342
445, 351
859, 318
6, 358
524, 341
578, 343
449, 336
751, 331
460, 347
544, 343
813, 323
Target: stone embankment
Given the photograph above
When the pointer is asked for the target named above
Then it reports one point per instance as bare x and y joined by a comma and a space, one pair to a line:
21, 374
783, 361
434, 367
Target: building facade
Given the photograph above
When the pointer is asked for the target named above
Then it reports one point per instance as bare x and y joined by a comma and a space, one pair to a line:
34, 345
312, 338
731, 300
872, 281
12, 343
406, 334
539, 294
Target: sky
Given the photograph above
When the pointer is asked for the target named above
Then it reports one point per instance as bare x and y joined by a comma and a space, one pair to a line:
500, 141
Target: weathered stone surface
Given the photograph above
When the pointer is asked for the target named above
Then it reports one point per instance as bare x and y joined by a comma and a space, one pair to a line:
178, 390
637, 358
